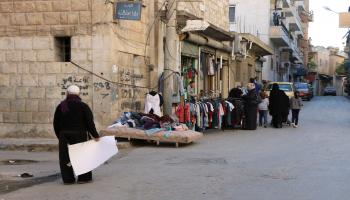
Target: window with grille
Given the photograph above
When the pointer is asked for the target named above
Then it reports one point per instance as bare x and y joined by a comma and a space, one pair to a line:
62, 49
232, 13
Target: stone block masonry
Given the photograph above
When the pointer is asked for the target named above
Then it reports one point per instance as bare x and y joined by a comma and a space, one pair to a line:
34, 77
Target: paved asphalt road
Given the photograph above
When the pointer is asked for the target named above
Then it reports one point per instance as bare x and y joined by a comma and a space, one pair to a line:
307, 163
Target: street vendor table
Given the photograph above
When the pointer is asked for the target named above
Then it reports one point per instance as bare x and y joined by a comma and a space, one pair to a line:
177, 137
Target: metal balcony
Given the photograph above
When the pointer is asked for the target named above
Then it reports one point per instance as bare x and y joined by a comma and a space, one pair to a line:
279, 36
293, 20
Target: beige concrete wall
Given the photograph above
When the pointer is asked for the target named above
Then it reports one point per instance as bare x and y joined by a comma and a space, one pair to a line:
334, 61
213, 11
32, 82
322, 59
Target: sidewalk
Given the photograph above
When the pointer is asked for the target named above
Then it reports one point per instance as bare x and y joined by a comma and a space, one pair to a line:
38, 144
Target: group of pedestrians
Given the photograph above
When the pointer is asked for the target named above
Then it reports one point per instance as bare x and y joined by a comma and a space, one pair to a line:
277, 104
280, 105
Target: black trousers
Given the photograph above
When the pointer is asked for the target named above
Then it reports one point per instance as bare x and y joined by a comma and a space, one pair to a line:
70, 137
250, 118
295, 116
277, 120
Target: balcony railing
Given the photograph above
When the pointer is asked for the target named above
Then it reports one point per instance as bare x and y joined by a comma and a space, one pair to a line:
307, 16
279, 35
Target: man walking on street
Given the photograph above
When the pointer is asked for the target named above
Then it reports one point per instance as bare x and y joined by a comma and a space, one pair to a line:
73, 123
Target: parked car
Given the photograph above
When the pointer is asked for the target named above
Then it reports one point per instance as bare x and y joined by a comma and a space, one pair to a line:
330, 91
305, 90
287, 87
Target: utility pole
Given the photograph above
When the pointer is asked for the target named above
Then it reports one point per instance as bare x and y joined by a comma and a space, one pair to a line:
171, 44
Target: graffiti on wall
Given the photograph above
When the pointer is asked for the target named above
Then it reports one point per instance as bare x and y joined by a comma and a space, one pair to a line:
102, 85
130, 96
81, 81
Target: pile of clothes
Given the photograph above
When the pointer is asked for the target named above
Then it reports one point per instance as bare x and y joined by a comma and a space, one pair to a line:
146, 122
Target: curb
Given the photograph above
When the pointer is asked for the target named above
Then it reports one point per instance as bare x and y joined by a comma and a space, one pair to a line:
45, 147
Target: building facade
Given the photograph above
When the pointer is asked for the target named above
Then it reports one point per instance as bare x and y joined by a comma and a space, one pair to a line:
45, 46
48, 45
327, 60
283, 25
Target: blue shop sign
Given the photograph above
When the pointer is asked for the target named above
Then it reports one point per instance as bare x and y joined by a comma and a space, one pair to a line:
128, 10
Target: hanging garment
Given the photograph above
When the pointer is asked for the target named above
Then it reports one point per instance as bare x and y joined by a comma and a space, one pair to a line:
211, 70
187, 113
221, 114
230, 105
152, 104
198, 115
178, 86
180, 113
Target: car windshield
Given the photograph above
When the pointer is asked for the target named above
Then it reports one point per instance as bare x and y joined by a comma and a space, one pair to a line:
283, 87
330, 88
301, 85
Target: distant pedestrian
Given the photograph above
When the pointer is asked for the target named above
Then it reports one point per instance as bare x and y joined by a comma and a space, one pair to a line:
191, 91
295, 105
258, 87
263, 109
250, 108
278, 105
235, 97
73, 123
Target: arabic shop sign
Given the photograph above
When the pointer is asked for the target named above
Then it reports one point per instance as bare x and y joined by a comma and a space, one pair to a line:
128, 10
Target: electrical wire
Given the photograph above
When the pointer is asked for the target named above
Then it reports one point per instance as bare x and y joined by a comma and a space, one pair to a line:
150, 29
122, 84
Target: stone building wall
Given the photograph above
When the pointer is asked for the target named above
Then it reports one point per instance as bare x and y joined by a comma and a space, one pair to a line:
213, 11
33, 82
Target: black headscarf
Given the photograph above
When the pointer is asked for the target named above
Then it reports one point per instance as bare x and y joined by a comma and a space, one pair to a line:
69, 98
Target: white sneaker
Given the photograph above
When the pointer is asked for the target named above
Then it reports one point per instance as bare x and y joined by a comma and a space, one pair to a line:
293, 125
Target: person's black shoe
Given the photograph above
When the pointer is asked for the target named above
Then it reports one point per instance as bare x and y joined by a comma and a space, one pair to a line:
84, 182
68, 183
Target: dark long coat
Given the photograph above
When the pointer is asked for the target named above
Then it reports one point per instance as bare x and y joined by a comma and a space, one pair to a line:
250, 110
279, 106
73, 123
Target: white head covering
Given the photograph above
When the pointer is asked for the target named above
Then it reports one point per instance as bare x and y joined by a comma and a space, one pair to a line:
73, 89
251, 86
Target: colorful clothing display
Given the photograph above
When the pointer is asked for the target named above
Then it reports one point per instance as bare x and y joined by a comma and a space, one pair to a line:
206, 114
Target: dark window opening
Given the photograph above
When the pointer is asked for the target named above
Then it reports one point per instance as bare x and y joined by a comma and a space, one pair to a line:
63, 49
232, 14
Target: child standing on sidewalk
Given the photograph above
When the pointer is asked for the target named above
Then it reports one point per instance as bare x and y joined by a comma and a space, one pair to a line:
295, 106
263, 109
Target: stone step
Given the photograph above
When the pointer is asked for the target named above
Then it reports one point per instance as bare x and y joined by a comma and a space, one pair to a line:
38, 144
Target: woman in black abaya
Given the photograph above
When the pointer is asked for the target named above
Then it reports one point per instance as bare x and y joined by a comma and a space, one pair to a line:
250, 108
279, 105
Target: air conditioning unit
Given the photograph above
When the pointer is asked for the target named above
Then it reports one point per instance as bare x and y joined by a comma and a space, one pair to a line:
285, 65
279, 4
283, 15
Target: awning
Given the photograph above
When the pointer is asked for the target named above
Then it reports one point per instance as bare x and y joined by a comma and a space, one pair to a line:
325, 77
190, 23
259, 46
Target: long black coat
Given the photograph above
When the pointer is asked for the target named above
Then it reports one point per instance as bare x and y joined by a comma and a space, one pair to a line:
78, 118
250, 110
73, 121
279, 102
